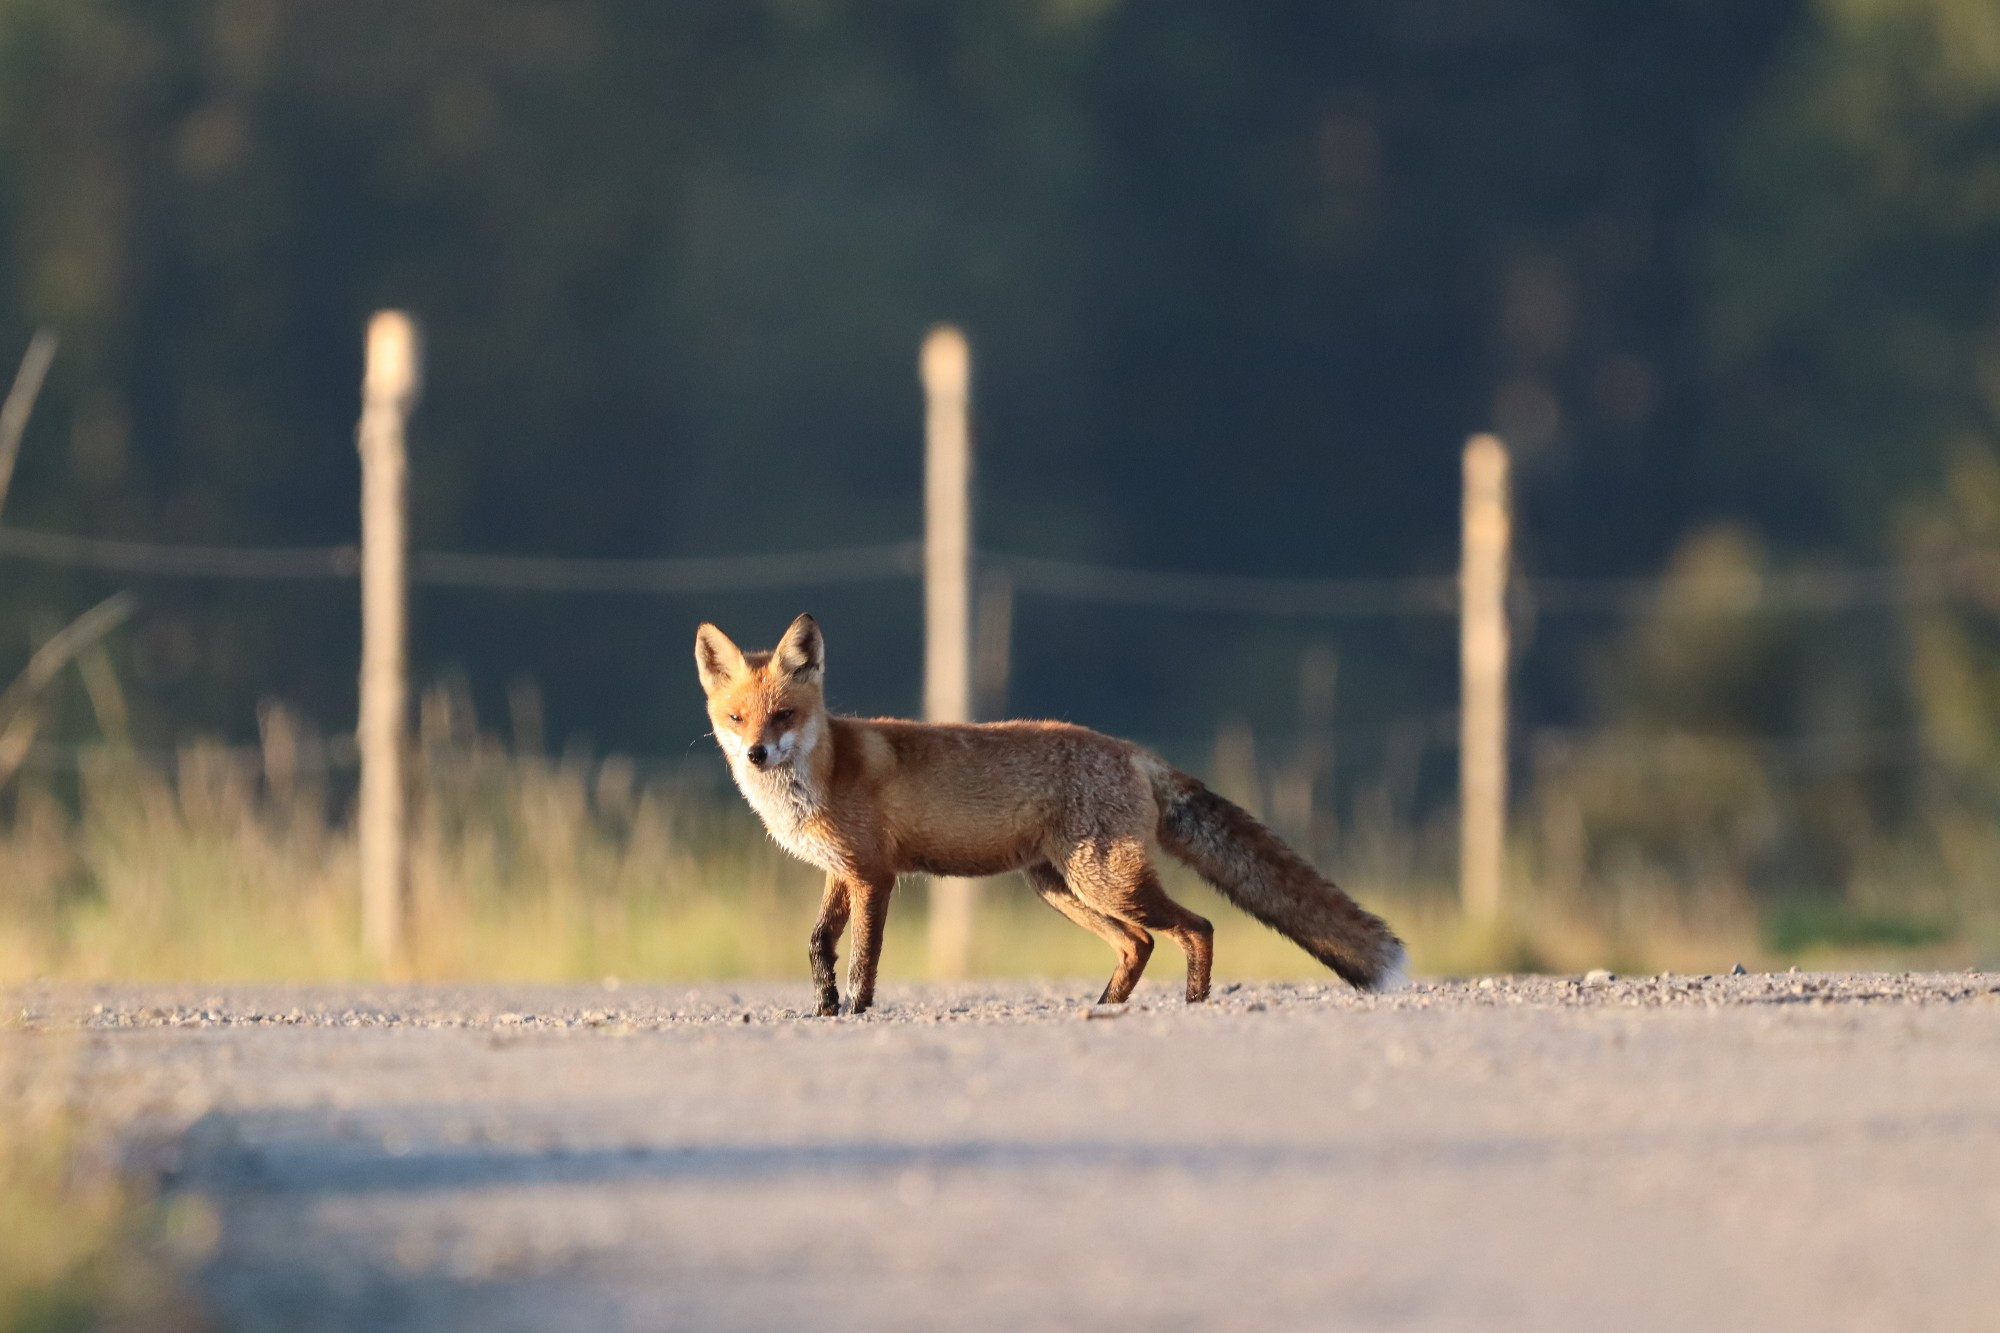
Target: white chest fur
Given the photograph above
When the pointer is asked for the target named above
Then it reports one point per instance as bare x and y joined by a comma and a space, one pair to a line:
786, 803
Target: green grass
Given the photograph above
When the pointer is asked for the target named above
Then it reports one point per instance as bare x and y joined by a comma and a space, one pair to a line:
1806, 927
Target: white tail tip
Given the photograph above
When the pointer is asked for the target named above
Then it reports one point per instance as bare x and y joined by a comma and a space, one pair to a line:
1396, 975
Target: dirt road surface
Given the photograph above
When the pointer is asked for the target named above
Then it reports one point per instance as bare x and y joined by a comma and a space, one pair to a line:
1811, 1152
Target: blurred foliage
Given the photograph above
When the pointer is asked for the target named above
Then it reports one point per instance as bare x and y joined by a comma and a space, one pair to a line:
1854, 333
1240, 278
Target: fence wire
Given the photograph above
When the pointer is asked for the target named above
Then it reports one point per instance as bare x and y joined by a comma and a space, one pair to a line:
450, 569
1796, 592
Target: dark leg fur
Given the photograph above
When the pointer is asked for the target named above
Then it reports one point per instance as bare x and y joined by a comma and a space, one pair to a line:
825, 948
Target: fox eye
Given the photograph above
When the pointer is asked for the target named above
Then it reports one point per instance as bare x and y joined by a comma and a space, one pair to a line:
736, 717
782, 715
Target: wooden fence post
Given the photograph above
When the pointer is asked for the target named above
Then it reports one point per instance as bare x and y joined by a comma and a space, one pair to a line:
388, 394
946, 369
1482, 771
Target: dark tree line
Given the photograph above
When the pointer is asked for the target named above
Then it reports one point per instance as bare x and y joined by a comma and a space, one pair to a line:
1240, 277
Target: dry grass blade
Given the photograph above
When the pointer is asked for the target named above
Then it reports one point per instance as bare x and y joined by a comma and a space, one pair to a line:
20, 404
18, 718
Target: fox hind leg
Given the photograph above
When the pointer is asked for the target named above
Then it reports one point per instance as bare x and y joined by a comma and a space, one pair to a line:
1134, 945
1190, 930
1115, 877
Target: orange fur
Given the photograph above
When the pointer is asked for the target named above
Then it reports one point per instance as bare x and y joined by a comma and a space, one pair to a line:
867, 800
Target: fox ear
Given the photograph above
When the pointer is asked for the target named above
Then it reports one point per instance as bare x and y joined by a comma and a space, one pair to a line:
716, 660
801, 654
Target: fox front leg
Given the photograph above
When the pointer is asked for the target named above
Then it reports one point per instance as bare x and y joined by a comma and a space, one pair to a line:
825, 948
871, 913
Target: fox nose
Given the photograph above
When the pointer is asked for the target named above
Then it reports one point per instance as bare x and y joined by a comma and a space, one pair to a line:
757, 754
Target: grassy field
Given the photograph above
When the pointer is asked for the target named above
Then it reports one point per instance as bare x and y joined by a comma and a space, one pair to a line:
235, 864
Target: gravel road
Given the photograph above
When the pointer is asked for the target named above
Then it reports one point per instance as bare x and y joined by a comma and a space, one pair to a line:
1811, 1152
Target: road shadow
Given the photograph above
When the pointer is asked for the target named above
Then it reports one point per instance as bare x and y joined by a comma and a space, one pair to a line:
310, 1153
232, 1154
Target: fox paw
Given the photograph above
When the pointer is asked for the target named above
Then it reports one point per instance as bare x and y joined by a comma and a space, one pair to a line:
829, 1007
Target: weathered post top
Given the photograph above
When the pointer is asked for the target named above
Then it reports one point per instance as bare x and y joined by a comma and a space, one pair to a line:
946, 363
395, 361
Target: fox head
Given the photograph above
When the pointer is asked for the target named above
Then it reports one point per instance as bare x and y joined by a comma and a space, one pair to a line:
767, 708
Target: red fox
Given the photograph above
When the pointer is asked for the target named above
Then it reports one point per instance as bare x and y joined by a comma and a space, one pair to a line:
867, 800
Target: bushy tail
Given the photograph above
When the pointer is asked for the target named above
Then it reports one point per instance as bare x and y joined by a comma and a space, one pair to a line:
1253, 868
